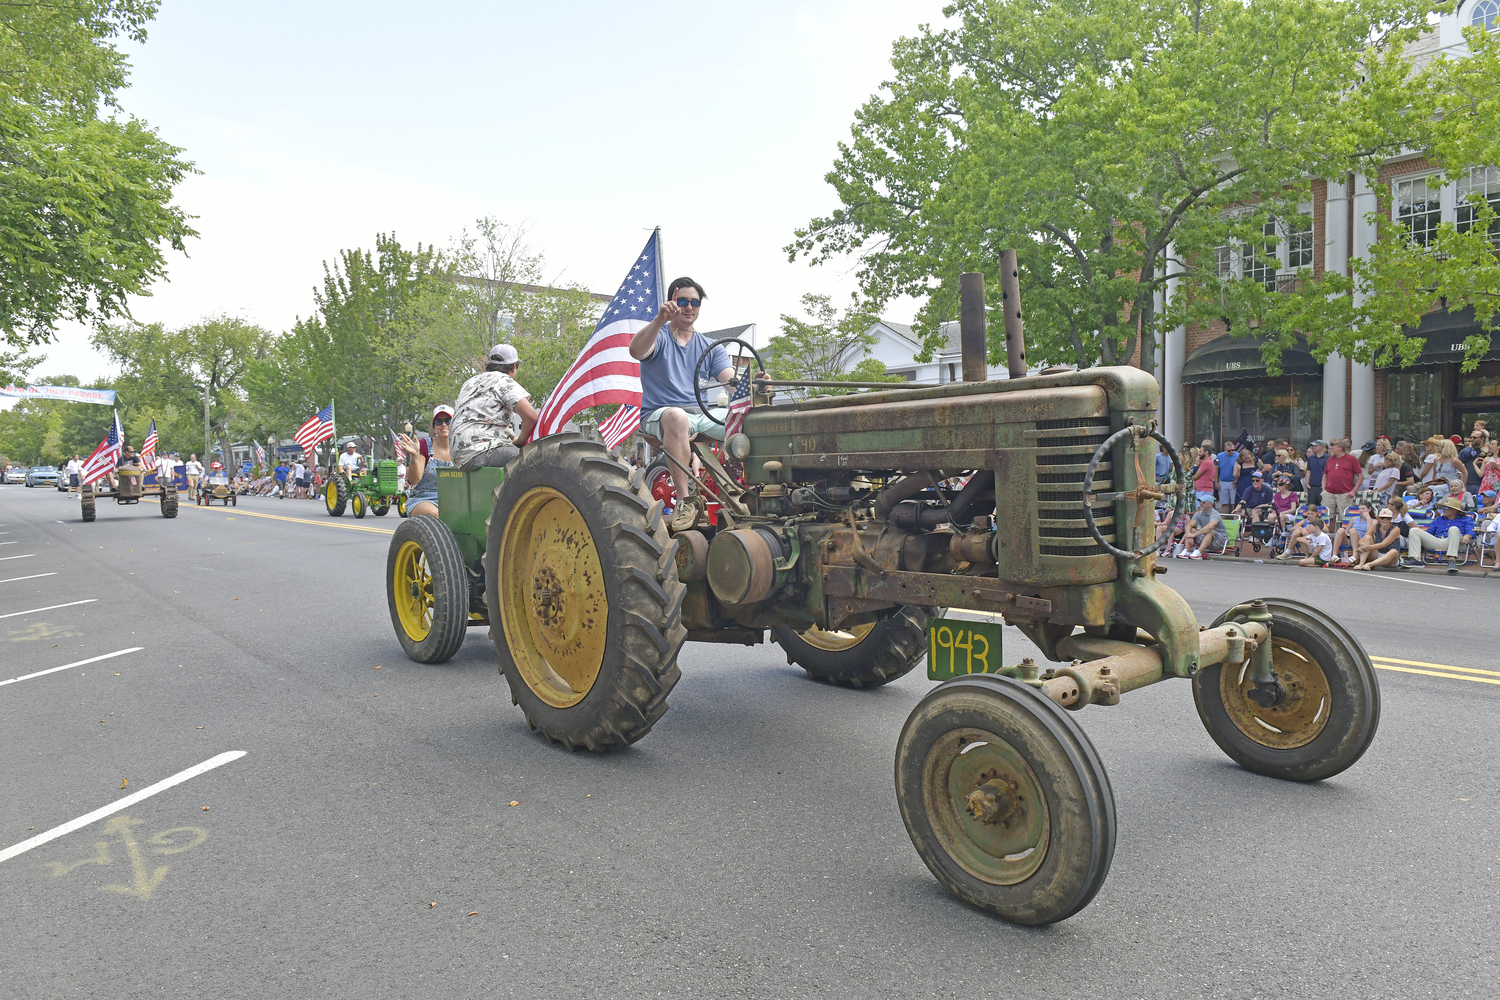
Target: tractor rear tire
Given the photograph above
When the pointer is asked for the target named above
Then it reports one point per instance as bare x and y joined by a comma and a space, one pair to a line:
86, 492
427, 590
168, 502
583, 596
336, 496
863, 655
359, 505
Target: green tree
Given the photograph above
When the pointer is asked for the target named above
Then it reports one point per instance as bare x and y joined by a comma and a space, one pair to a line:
1096, 135
199, 369
344, 352
829, 345
497, 292
85, 190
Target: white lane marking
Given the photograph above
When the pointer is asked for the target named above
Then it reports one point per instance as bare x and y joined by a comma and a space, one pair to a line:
50, 607
69, 666
1395, 579
8, 558
119, 804
34, 576
8, 543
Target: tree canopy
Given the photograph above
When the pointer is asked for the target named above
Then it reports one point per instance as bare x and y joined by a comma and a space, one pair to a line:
1113, 143
829, 345
85, 189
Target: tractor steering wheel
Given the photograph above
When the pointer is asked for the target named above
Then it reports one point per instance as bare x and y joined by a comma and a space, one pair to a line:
699, 380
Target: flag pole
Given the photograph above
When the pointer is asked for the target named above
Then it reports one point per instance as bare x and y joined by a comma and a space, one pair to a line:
333, 423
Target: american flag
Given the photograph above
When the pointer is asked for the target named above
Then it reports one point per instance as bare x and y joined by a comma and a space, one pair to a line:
395, 445
260, 454
620, 425
739, 405
148, 447
319, 428
605, 372
102, 462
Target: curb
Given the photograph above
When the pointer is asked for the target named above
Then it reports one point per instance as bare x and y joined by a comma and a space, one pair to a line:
1470, 571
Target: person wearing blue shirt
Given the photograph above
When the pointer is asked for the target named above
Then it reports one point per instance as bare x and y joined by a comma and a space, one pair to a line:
1163, 465
1256, 500
1228, 460
671, 360
1450, 527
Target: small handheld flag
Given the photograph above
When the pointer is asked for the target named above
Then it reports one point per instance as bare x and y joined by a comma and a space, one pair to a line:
620, 425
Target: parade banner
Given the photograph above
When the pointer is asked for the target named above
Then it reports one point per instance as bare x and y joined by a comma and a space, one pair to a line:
61, 393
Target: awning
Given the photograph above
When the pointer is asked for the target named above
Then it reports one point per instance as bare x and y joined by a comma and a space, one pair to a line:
1445, 333
1233, 358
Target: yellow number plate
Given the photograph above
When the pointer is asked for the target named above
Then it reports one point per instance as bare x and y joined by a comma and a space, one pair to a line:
956, 647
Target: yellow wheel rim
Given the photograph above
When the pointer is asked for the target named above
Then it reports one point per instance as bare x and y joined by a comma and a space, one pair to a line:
1302, 714
331, 495
837, 640
357, 503
412, 584
553, 605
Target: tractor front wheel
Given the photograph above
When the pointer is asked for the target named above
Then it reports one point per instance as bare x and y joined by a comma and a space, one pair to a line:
86, 492
860, 656
582, 591
1005, 799
427, 590
336, 496
381, 509
1329, 705
359, 505
169, 501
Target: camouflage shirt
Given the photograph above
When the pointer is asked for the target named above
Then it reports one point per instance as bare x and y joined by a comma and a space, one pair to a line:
483, 417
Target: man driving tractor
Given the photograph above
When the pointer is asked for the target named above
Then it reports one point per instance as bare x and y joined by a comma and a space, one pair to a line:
670, 363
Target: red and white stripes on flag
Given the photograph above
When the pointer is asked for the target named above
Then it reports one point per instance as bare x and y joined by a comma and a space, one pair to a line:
317, 429
620, 425
148, 447
102, 462
605, 372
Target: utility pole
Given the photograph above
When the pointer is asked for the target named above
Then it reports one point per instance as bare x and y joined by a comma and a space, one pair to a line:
207, 451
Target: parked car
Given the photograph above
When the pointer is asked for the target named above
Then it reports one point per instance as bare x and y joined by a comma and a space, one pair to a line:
43, 475
15, 474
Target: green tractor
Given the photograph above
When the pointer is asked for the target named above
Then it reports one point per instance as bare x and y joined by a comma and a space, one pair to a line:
375, 490
852, 529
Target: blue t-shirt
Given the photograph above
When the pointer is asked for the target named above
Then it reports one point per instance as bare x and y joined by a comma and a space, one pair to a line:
281, 471
1227, 460
669, 374
1250, 496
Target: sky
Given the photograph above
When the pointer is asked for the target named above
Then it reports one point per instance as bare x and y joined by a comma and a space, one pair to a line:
316, 126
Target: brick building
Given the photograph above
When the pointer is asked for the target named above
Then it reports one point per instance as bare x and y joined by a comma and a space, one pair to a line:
1214, 385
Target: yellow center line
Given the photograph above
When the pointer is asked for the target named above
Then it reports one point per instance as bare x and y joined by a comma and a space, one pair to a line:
330, 523
1434, 673
1437, 666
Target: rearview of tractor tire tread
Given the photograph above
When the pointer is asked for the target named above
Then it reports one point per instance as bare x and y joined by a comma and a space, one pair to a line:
336, 496
169, 502
887, 651
1330, 706
638, 666
88, 503
1041, 752
427, 590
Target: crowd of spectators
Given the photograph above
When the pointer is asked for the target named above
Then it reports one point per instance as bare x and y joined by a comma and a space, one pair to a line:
1379, 506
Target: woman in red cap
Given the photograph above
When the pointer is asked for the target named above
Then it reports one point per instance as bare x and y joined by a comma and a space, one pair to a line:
424, 461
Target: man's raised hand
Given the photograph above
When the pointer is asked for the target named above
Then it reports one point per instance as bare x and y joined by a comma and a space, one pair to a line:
669, 311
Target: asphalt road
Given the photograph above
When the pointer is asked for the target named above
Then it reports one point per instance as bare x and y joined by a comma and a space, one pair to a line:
365, 843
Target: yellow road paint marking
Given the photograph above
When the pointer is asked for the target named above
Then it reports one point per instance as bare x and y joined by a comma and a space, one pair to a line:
330, 523
1434, 673
1437, 666
163, 843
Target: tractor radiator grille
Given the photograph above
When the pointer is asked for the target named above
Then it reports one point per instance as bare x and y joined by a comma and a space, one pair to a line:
1065, 447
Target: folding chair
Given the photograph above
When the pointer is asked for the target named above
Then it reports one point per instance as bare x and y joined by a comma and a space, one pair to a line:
1231, 535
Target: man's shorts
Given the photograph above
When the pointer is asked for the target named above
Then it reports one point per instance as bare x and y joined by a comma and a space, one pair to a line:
698, 423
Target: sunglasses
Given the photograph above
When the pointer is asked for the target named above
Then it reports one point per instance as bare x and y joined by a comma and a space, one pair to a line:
442, 420
689, 303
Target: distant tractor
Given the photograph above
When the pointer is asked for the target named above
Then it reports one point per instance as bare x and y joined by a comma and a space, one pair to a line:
376, 490
852, 528
132, 489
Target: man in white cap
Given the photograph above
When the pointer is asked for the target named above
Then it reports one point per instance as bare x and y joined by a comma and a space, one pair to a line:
349, 461
484, 431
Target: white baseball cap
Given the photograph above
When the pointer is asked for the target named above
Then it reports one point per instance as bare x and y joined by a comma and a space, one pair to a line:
504, 354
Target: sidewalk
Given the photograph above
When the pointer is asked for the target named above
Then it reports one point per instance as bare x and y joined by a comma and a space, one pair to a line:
1472, 570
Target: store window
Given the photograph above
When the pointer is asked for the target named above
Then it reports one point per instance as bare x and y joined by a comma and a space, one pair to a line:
1481, 383
1418, 208
1413, 405
1267, 407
